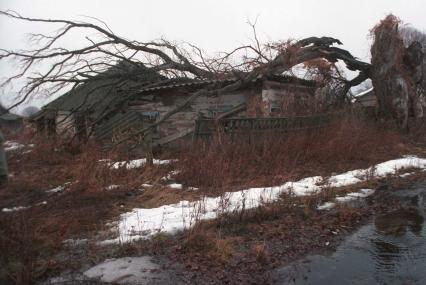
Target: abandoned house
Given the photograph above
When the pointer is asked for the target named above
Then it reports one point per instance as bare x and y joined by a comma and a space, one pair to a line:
107, 113
10, 122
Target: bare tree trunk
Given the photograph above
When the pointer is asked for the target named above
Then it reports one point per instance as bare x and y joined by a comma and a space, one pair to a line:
396, 73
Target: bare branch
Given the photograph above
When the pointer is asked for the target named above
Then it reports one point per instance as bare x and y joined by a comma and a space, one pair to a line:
112, 60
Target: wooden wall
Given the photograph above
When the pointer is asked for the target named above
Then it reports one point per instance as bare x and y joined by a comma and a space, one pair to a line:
283, 100
64, 122
203, 106
150, 107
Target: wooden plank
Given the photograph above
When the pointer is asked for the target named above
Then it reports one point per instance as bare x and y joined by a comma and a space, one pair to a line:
237, 109
256, 125
173, 137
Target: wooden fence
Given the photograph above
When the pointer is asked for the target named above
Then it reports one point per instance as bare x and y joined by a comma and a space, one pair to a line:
232, 126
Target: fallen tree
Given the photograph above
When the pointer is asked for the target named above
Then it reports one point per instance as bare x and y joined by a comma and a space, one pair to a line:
392, 69
70, 68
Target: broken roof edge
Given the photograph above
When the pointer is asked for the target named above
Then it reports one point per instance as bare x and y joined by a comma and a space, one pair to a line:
10, 117
285, 79
277, 78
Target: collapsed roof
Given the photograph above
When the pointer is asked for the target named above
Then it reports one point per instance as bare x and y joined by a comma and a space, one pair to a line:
106, 92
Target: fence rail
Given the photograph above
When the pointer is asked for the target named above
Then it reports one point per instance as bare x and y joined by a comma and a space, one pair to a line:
206, 127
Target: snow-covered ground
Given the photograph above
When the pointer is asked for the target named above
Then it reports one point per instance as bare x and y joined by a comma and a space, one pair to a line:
11, 145
112, 187
127, 270
363, 193
170, 175
175, 186
136, 163
59, 188
143, 223
14, 209
56, 189
20, 208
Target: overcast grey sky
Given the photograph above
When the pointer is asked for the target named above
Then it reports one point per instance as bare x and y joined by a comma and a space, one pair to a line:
216, 25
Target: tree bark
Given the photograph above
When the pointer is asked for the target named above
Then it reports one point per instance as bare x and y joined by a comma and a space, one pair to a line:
396, 73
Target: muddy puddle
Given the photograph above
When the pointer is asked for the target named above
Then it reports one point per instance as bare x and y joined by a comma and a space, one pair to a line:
391, 249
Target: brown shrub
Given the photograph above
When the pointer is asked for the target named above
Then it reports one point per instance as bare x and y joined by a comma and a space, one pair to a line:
207, 241
30, 239
261, 252
271, 158
24, 249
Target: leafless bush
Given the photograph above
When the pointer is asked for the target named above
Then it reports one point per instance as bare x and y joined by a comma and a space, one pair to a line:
226, 163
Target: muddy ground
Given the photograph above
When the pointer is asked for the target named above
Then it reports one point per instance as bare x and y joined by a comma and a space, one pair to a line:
250, 249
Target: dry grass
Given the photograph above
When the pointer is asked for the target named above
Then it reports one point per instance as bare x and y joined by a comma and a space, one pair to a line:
279, 232
244, 247
219, 249
29, 239
222, 165
272, 159
288, 229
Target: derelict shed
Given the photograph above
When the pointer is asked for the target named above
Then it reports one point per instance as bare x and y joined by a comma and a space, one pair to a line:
157, 101
107, 108
10, 122
84, 110
254, 100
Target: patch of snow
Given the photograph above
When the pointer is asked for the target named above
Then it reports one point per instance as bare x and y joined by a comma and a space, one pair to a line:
56, 189
75, 242
326, 206
344, 199
59, 188
143, 223
66, 278
146, 185
20, 208
12, 145
170, 175
363, 193
193, 189
138, 163
175, 186
112, 187
14, 209
126, 270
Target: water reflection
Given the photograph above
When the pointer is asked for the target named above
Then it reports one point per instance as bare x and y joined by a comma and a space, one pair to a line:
398, 222
386, 255
390, 250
